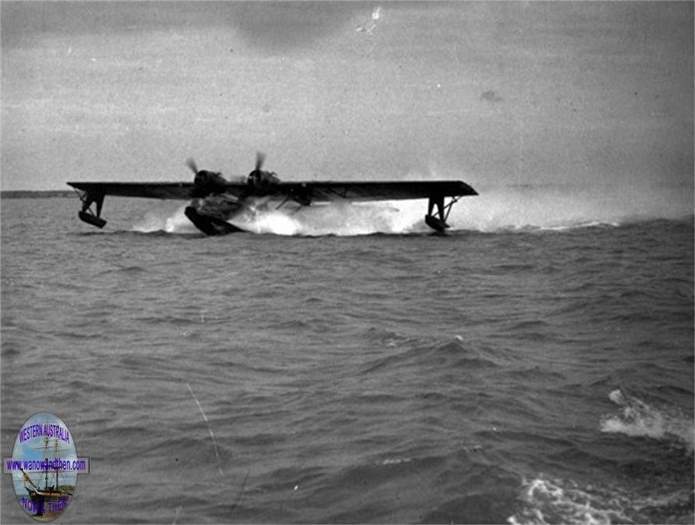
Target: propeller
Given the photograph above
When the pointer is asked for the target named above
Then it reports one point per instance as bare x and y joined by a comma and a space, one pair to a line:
260, 159
191, 164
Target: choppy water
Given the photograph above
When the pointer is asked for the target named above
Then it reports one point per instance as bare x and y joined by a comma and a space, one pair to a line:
537, 371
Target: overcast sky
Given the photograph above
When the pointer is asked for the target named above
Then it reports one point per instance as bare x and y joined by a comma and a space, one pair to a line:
490, 93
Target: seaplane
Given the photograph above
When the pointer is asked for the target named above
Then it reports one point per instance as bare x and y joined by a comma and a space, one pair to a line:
216, 201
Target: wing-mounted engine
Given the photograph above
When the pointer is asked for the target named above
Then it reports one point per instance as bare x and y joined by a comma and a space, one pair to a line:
206, 182
261, 182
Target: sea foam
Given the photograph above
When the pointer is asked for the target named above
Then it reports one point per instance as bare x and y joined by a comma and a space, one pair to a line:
547, 500
638, 418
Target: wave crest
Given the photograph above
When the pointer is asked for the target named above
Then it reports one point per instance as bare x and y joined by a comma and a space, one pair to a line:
545, 500
639, 419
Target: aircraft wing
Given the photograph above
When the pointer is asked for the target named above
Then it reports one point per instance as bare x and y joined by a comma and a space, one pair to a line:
311, 191
303, 193
376, 191
151, 190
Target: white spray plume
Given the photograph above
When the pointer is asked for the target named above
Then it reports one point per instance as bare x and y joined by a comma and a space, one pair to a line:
510, 208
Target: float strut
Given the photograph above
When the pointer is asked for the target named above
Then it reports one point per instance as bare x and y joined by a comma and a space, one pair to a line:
86, 214
438, 222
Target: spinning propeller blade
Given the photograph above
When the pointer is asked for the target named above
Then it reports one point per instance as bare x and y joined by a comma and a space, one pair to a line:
260, 159
191, 164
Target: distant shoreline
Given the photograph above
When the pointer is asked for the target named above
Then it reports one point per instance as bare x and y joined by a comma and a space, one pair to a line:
35, 194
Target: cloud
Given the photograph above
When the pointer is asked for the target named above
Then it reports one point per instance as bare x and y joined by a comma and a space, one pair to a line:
491, 96
275, 26
288, 25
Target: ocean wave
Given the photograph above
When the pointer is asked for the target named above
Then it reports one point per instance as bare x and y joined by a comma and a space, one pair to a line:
639, 419
448, 355
545, 500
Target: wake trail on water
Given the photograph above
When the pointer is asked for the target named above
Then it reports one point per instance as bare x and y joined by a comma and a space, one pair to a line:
566, 206
500, 209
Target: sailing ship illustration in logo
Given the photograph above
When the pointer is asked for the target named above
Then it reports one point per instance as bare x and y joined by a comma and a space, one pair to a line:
44, 467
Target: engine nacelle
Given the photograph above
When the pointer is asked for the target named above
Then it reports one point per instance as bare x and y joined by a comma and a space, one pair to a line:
262, 180
208, 182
